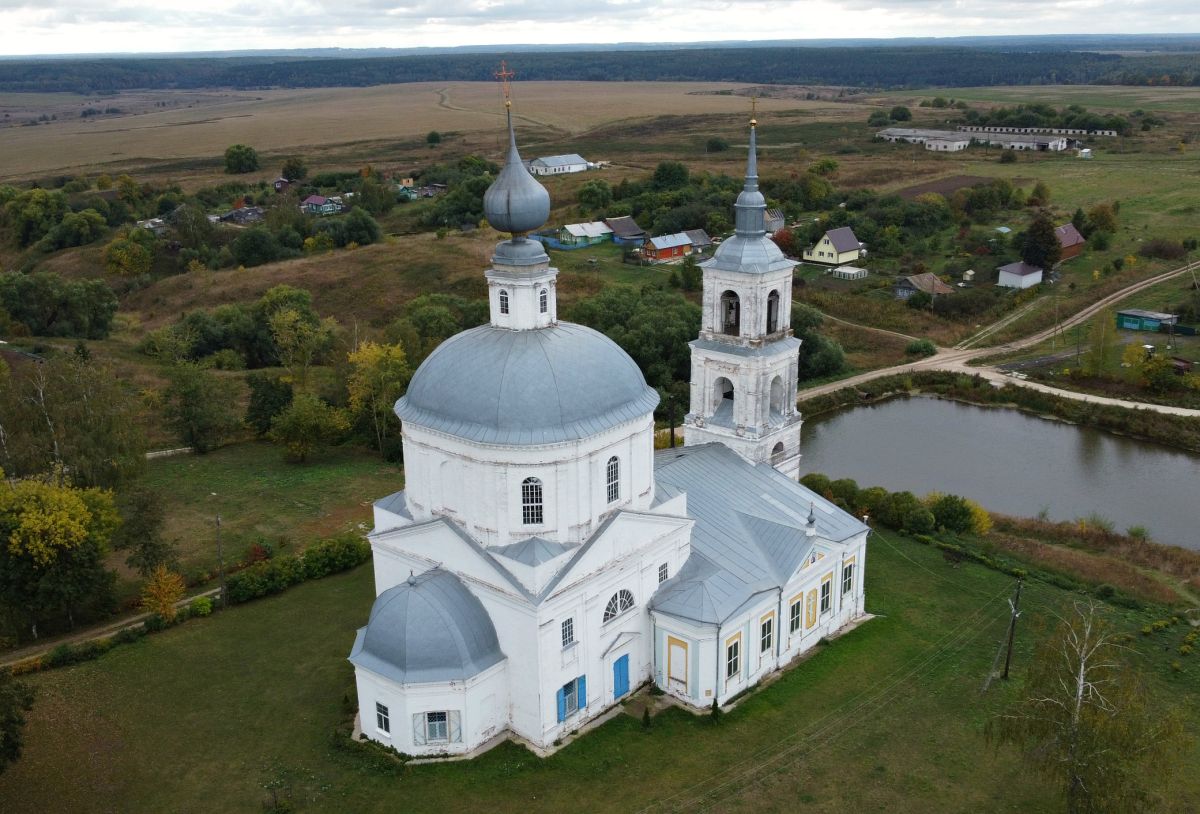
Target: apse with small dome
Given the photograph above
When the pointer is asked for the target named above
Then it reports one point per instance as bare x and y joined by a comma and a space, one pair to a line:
542, 561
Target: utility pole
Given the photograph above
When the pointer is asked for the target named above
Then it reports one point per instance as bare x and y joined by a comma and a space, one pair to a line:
1014, 604
221, 563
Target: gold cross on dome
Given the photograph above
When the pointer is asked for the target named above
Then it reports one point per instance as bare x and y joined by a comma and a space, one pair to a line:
504, 75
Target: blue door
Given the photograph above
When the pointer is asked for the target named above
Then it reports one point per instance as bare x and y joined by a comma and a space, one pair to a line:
621, 676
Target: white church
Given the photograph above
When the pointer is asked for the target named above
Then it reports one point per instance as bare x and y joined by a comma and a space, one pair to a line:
544, 561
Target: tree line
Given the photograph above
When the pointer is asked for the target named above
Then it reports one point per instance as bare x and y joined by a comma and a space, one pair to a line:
876, 67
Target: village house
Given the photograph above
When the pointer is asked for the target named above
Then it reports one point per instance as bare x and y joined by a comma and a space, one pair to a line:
626, 232
320, 205
1018, 275
837, 247
775, 221
926, 283
578, 235
700, 240
281, 184
1069, 240
667, 247
558, 164
157, 226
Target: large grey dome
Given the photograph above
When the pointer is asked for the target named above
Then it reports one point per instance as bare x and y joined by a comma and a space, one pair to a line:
515, 202
496, 386
427, 629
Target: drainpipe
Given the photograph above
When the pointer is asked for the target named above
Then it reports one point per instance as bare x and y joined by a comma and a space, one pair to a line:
717, 684
778, 626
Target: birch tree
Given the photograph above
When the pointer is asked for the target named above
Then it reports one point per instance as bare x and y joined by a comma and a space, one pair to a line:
1087, 721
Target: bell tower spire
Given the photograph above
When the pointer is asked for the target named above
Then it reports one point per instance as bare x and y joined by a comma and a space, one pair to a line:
744, 363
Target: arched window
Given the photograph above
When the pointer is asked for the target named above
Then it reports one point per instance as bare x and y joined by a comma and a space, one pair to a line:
731, 313
773, 312
503, 301
614, 479
531, 502
777, 454
544, 301
777, 402
621, 601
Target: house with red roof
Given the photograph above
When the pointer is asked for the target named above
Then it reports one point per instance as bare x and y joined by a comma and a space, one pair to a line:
1070, 240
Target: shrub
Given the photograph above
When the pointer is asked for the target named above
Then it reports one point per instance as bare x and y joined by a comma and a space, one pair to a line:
334, 555
202, 606
920, 347
919, 520
1162, 249
264, 578
817, 482
952, 513
1008, 157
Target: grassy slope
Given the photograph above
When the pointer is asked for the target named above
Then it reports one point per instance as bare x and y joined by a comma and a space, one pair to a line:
258, 493
886, 718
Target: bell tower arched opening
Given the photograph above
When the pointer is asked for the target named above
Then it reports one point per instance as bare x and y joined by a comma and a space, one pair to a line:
731, 313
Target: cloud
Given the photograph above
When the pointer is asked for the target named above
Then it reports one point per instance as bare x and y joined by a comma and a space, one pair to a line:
98, 26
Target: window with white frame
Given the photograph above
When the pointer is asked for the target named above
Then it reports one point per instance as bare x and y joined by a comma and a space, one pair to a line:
848, 579
570, 693
614, 479
621, 601
568, 631
544, 301
766, 634
733, 654
826, 595
436, 726
503, 301
796, 616
662, 573
382, 721
531, 502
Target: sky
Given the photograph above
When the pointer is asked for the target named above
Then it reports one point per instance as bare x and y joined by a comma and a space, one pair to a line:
139, 26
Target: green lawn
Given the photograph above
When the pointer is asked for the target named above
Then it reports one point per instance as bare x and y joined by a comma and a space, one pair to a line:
889, 718
260, 495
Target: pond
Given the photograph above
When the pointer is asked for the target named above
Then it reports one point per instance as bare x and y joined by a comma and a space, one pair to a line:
1010, 462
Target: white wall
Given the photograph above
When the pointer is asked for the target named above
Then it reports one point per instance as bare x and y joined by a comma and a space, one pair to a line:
480, 485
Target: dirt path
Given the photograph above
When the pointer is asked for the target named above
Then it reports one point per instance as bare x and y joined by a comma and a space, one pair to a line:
91, 634
955, 359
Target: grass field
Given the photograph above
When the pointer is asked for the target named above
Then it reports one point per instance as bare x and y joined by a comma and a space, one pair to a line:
1098, 97
206, 716
201, 124
260, 495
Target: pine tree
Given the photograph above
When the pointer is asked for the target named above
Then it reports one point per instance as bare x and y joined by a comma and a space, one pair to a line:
1041, 247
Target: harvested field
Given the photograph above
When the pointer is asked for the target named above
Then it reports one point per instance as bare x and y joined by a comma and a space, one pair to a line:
201, 124
942, 186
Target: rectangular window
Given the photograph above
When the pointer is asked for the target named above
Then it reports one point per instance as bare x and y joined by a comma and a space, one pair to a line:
826, 595
732, 658
766, 634
568, 632
571, 698
848, 579
436, 728
382, 722
662, 573
796, 619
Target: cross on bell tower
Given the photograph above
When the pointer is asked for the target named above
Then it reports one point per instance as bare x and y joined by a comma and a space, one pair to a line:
745, 361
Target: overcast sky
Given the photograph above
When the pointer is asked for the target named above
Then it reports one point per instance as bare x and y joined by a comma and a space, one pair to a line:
105, 26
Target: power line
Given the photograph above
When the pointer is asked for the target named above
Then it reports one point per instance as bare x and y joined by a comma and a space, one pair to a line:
879, 690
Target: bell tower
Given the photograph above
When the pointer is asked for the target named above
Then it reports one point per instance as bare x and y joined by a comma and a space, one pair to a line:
745, 361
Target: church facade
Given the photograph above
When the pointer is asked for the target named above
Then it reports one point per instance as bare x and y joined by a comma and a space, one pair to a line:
543, 561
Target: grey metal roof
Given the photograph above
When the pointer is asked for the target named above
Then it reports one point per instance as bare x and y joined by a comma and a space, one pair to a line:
749, 535
533, 551
560, 160
396, 503
699, 237
749, 254
671, 241
843, 239
515, 202
625, 226
429, 628
495, 386
1020, 268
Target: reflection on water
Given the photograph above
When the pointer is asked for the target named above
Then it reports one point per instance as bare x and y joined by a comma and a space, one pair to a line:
1010, 462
